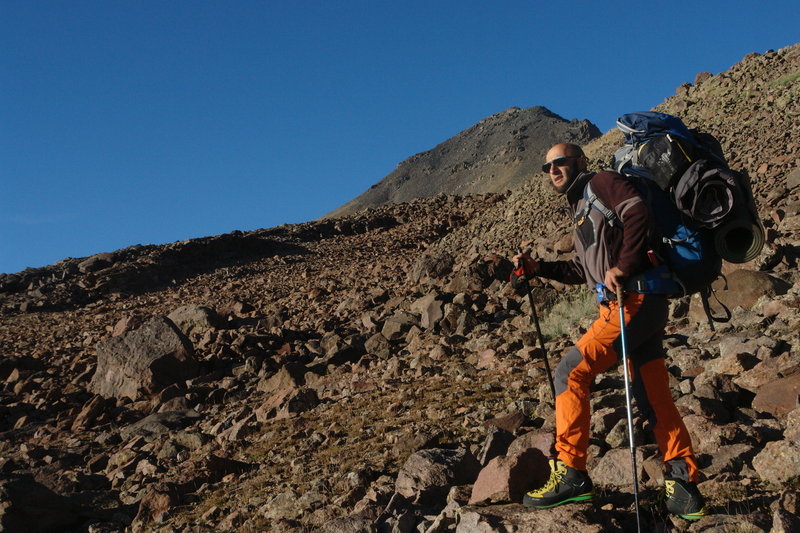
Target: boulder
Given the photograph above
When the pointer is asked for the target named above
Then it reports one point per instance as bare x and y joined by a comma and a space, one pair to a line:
744, 288
427, 475
195, 318
289, 376
792, 432
541, 440
396, 326
156, 503
614, 468
143, 361
766, 372
96, 262
378, 345
432, 265
158, 424
508, 478
778, 462
778, 397
287, 403
496, 444
430, 308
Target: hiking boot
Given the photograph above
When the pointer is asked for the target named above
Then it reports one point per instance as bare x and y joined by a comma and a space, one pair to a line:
566, 484
683, 499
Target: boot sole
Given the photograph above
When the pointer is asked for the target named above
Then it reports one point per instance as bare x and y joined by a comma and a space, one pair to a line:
694, 516
579, 498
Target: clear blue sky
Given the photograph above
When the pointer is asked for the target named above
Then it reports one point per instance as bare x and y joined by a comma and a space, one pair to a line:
145, 122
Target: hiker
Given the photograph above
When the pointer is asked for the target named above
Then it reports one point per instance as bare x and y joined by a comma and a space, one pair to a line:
607, 254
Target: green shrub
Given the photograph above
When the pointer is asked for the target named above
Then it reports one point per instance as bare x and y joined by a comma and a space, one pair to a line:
569, 312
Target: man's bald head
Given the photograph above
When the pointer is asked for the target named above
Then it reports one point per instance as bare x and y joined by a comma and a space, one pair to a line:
564, 149
563, 163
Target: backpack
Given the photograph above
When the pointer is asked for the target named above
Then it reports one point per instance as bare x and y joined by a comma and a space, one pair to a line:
684, 180
690, 166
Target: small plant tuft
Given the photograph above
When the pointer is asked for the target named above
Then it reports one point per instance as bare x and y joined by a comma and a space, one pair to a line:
567, 313
785, 80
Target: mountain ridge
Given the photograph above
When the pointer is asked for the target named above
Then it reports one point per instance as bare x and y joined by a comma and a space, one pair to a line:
497, 153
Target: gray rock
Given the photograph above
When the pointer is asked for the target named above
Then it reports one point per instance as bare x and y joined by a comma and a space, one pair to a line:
793, 179
614, 468
792, 432
730, 458
143, 361
158, 424
396, 326
432, 265
196, 319
428, 474
430, 308
96, 262
496, 444
779, 462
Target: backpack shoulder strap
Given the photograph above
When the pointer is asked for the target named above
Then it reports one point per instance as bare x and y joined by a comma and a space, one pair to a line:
593, 201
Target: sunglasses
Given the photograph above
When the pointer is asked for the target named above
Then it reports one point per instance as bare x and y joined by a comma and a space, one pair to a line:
558, 161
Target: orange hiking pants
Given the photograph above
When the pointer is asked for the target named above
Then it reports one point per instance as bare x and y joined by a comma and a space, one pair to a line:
596, 352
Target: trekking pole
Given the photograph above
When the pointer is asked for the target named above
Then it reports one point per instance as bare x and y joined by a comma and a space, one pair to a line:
623, 342
521, 274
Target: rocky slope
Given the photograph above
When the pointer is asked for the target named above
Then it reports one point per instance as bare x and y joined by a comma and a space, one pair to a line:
498, 153
372, 372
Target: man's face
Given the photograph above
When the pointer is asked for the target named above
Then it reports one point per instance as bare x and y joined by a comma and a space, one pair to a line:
563, 167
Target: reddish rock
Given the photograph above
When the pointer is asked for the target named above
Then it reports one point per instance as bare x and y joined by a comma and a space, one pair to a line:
539, 440
156, 503
143, 361
289, 376
510, 423
89, 413
779, 397
507, 478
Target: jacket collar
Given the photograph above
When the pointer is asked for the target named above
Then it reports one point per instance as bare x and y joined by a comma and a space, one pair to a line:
575, 190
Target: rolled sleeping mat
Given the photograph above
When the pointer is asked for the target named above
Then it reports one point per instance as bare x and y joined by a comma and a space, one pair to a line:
740, 237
